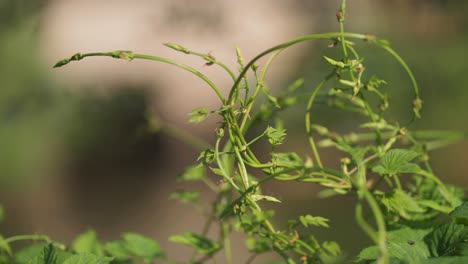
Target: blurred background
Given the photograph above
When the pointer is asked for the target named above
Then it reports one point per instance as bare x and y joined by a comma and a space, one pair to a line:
76, 146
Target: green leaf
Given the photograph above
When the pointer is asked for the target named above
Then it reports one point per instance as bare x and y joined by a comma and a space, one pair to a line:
259, 197
332, 248
198, 114
118, 250
87, 258
447, 260
141, 246
307, 220
4, 246
200, 243
461, 211
87, 243
48, 256
275, 136
192, 173
397, 161
447, 240
374, 83
288, 159
28, 253
33, 254
185, 196
435, 206
404, 244
399, 202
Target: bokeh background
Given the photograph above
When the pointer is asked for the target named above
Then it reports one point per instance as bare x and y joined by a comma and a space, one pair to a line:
77, 149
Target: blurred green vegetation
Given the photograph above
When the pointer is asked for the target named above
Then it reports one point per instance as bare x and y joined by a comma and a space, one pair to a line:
39, 119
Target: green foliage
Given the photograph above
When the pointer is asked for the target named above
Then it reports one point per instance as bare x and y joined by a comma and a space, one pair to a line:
192, 173
397, 161
200, 243
87, 243
198, 114
405, 219
461, 211
307, 220
275, 136
397, 201
87, 258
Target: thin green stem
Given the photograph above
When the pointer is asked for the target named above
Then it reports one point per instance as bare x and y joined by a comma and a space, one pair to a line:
328, 36
210, 59
129, 55
307, 119
341, 18
260, 83
380, 222
225, 227
27, 237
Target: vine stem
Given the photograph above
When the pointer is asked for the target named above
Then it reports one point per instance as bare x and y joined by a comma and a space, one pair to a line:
307, 119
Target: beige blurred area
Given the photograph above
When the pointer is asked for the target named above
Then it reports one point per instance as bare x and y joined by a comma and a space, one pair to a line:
214, 27
120, 181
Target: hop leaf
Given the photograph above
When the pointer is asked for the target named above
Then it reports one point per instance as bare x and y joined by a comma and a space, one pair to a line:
307, 220
200, 243
87, 243
192, 173
397, 161
198, 114
87, 258
275, 136
461, 211
401, 203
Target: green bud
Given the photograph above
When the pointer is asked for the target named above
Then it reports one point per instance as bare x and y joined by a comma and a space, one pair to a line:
177, 47
219, 133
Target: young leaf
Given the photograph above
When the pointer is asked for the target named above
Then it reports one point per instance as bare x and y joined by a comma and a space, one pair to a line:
200, 243
405, 244
447, 240
34, 252
275, 136
399, 202
332, 248
141, 246
87, 258
286, 159
307, 220
259, 197
117, 250
397, 161
461, 211
185, 196
198, 114
48, 256
87, 243
192, 173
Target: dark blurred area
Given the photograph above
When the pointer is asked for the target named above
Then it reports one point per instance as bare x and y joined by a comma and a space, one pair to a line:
76, 145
